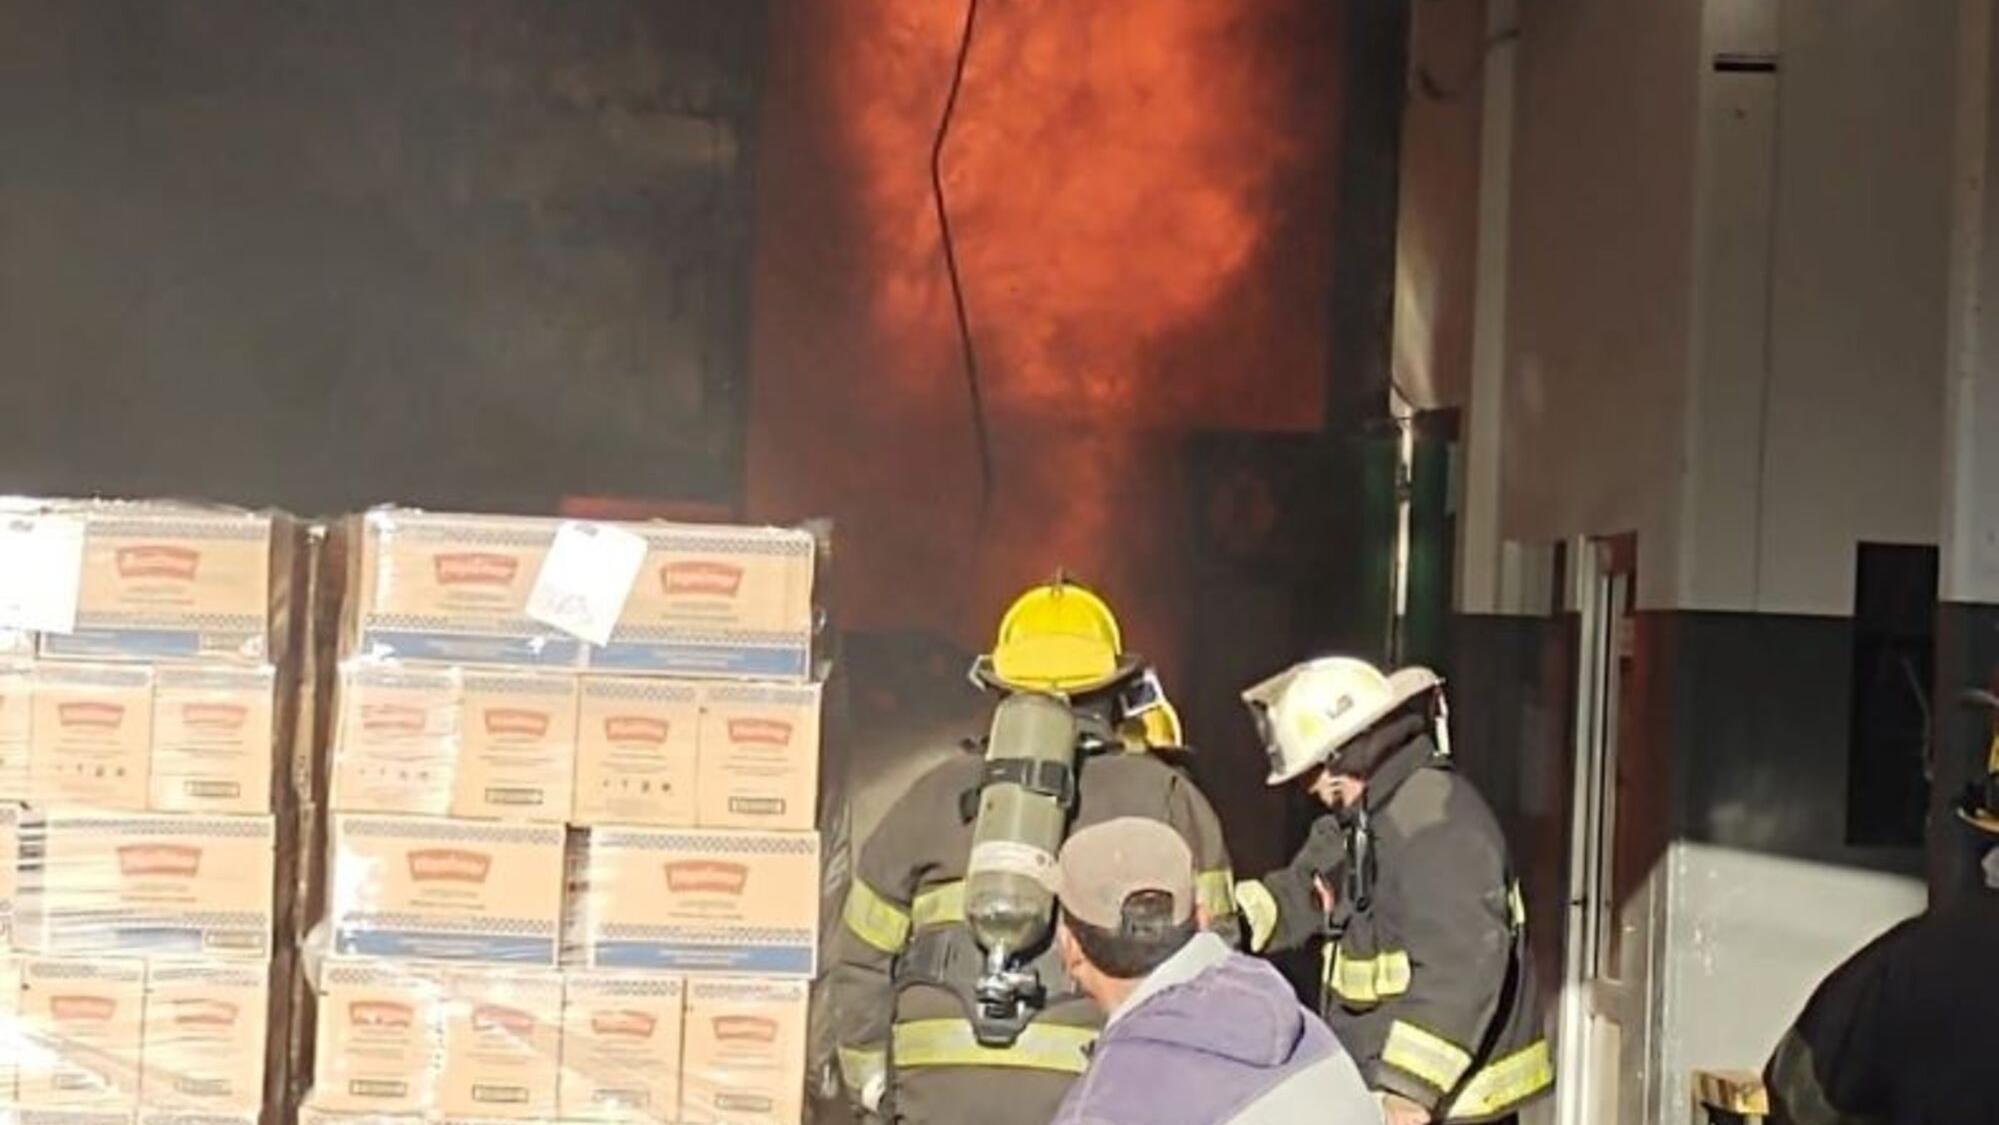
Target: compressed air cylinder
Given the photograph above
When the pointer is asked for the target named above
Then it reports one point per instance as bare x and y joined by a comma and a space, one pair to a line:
1009, 900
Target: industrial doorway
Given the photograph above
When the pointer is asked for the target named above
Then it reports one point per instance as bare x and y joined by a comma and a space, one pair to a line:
1603, 1005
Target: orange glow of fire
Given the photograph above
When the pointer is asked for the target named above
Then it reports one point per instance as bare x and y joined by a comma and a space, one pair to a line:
1141, 196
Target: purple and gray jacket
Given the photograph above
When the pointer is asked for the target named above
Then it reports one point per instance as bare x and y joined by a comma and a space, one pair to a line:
1213, 1037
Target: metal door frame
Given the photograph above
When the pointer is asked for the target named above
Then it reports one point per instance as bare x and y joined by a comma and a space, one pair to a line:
1599, 588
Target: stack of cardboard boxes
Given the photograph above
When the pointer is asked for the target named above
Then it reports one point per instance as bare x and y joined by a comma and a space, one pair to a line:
572, 872
140, 721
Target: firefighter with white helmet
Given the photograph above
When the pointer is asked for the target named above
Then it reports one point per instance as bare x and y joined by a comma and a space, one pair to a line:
1407, 887
948, 999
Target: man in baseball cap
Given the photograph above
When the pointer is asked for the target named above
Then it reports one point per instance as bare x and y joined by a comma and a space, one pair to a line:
1196, 1033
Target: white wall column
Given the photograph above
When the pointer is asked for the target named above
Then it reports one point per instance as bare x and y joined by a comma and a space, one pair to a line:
1481, 549
1971, 394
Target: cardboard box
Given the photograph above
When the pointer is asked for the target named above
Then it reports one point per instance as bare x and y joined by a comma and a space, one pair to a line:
214, 739
517, 758
446, 890
380, 1039
312, 1115
395, 740
502, 1044
26, 1116
92, 739
697, 900
621, 1047
17, 706
708, 601
759, 756
636, 752
145, 885
10, 858
452, 589
86, 1019
203, 1047
164, 582
745, 1056
12, 1041
718, 601
150, 1116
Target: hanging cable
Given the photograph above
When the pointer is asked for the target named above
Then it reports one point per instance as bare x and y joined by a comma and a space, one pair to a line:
980, 431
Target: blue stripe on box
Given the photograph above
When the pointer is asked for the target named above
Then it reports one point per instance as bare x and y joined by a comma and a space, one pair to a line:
150, 644
206, 942
420, 945
787, 662
767, 960
452, 648
156, 941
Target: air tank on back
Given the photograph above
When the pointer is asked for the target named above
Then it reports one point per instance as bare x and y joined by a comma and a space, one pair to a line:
1009, 879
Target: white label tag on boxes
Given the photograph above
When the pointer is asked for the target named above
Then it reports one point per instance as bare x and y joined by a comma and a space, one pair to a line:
585, 580
41, 568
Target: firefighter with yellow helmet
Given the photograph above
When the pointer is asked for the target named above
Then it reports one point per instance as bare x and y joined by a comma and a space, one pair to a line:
948, 1002
1406, 889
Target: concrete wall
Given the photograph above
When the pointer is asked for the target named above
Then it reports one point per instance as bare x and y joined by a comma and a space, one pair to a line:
1726, 293
1725, 331
1600, 284
1747, 940
1818, 409
1436, 238
321, 254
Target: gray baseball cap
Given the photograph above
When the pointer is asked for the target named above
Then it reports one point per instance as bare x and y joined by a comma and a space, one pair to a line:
1105, 864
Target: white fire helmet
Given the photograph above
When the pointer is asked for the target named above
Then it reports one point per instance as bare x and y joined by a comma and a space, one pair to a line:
1307, 712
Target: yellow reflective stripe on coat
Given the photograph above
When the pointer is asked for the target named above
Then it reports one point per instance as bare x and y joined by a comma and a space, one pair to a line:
1425, 1054
1259, 906
1368, 980
938, 905
862, 1065
876, 920
950, 1042
1506, 1083
1215, 892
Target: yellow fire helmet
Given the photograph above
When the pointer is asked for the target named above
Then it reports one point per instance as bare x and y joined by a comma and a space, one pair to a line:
1158, 728
1057, 637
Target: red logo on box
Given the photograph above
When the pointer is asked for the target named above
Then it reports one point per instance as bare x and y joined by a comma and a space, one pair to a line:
152, 560
510, 1021
83, 1009
476, 568
707, 875
215, 716
204, 1013
392, 718
624, 1023
450, 865
711, 579
91, 716
517, 722
178, 860
380, 1013
757, 1029
637, 728
760, 732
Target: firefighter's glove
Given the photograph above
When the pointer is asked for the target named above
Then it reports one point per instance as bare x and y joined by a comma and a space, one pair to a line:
1323, 854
